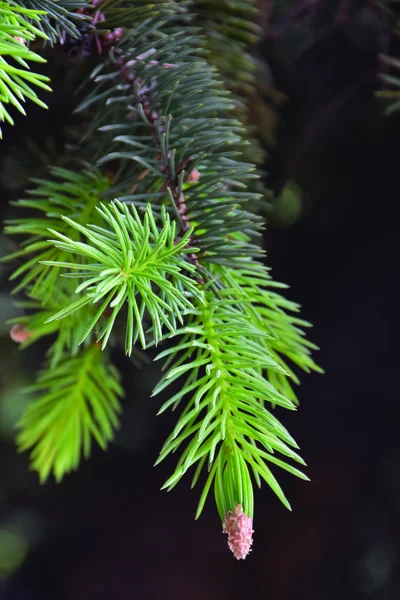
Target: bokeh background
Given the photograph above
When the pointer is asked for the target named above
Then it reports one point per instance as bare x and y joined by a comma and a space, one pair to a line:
107, 532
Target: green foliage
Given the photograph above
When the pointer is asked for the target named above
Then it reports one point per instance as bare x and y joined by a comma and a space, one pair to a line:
230, 29
58, 17
70, 194
272, 313
231, 356
130, 264
189, 126
166, 250
227, 29
67, 334
79, 401
123, 13
66, 194
18, 26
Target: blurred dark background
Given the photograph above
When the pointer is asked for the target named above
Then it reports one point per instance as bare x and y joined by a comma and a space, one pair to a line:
107, 532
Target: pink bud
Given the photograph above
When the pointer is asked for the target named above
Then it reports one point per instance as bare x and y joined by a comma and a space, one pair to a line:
20, 40
239, 528
193, 176
118, 33
113, 36
19, 334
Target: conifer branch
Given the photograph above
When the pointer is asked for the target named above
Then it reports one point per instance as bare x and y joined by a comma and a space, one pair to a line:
167, 248
65, 194
18, 26
59, 18
230, 29
225, 425
131, 264
162, 112
79, 401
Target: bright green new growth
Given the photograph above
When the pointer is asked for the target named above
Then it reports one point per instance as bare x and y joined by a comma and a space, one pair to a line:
79, 401
20, 24
163, 252
131, 265
17, 29
69, 194
66, 194
226, 427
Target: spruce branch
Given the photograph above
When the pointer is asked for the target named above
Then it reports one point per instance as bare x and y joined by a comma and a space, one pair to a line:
66, 193
18, 26
59, 17
259, 299
230, 29
168, 117
168, 249
130, 264
67, 334
123, 13
78, 401
225, 425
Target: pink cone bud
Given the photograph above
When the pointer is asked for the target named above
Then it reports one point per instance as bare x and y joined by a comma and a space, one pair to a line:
239, 528
19, 334
113, 36
118, 33
20, 40
193, 176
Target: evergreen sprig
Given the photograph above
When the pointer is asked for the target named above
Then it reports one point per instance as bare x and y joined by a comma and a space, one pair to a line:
79, 401
132, 264
168, 118
67, 334
18, 26
59, 17
67, 193
230, 29
123, 13
224, 423
259, 299
166, 247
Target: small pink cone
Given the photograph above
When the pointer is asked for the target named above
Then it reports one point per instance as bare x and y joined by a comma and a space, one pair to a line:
239, 528
19, 334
